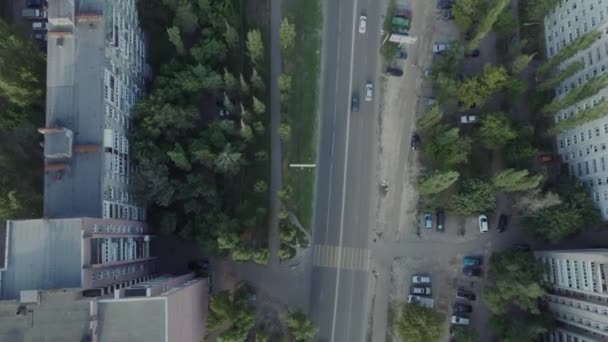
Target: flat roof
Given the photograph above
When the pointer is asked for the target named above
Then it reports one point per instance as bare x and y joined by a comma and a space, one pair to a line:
75, 95
42, 254
132, 319
60, 316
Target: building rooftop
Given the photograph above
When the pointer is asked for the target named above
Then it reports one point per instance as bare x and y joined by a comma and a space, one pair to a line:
134, 320
42, 254
75, 71
61, 315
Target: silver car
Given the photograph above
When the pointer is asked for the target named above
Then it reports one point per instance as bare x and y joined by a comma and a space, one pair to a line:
369, 91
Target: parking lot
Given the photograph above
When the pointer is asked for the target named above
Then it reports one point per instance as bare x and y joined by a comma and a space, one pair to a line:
30, 17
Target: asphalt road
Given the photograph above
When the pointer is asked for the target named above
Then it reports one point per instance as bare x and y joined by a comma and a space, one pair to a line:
345, 175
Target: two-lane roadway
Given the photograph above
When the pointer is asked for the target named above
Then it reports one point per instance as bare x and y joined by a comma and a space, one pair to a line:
345, 178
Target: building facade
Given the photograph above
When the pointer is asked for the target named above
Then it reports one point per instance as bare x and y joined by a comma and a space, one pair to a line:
96, 73
578, 295
583, 148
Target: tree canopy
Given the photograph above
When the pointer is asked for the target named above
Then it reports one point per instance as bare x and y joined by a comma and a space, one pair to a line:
300, 327
515, 278
437, 182
475, 196
478, 89
496, 130
417, 323
510, 180
447, 147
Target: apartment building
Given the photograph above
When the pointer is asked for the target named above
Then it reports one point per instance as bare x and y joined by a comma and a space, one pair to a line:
583, 148
95, 74
164, 309
85, 253
578, 295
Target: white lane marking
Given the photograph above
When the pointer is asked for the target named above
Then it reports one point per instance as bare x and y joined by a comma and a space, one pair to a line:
350, 87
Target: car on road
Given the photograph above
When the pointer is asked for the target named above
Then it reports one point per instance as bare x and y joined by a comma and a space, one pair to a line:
392, 71
354, 103
362, 24
472, 271
464, 294
469, 119
440, 220
472, 260
459, 320
483, 223
503, 221
415, 143
440, 47
369, 91
421, 279
428, 220
420, 290
462, 308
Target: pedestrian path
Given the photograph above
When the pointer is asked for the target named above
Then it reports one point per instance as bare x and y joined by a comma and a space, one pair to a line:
341, 257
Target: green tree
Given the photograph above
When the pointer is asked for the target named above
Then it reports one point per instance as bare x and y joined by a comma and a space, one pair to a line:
511, 180
231, 36
437, 182
519, 152
261, 156
230, 82
520, 63
576, 213
287, 37
475, 196
446, 147
487, 22
579, 93
241, 254
285, 252
430, 118
244, 85
255, 46
521, 327
228, 161
287, 232
446, 88
579, 44
185, 18
300, 327
560, 75
495, 130
477, 90
260, 186
256, 80
538, 9
417, 323
581, 117
285, 132
506, 23
284, 82
462, 334
467, 11
515, 277
178, 156
176, 38
258, 106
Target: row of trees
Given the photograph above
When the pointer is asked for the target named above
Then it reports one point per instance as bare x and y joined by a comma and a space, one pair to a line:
22, 95
200, 137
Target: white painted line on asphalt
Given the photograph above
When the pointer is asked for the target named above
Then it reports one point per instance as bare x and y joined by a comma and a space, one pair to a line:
350, 87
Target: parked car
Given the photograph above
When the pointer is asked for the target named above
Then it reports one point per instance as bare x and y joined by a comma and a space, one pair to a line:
421, 279
463, 308
472, 271
440, 220
401, 54
469, 119
444, 4
35, 3
468, 35
472, 260
362, 24
428, 221
447, 14
415, 143
503, 221
40, 35
421, 290
522, 247
392, 71
354, 103
464, 294
483, 223
39, 25
459, 320
440, 47
369, 91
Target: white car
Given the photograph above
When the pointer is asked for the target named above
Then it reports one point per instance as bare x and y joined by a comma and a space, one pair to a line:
362, 24
468, 119
369, 91
483, 223
39, 25
440, 47
459, 320
421, 279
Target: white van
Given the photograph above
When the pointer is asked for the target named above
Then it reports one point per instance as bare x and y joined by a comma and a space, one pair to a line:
39, 25
458, 320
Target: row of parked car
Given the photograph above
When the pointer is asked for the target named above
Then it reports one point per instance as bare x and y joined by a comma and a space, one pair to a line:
421, 291
503, 221
35, 11
462, 308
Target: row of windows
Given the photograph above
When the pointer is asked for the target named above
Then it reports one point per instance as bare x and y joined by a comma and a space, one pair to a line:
116, 272
122, 211
581, 137
110, 228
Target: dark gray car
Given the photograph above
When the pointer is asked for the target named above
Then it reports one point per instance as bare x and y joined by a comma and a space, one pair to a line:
354, 103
